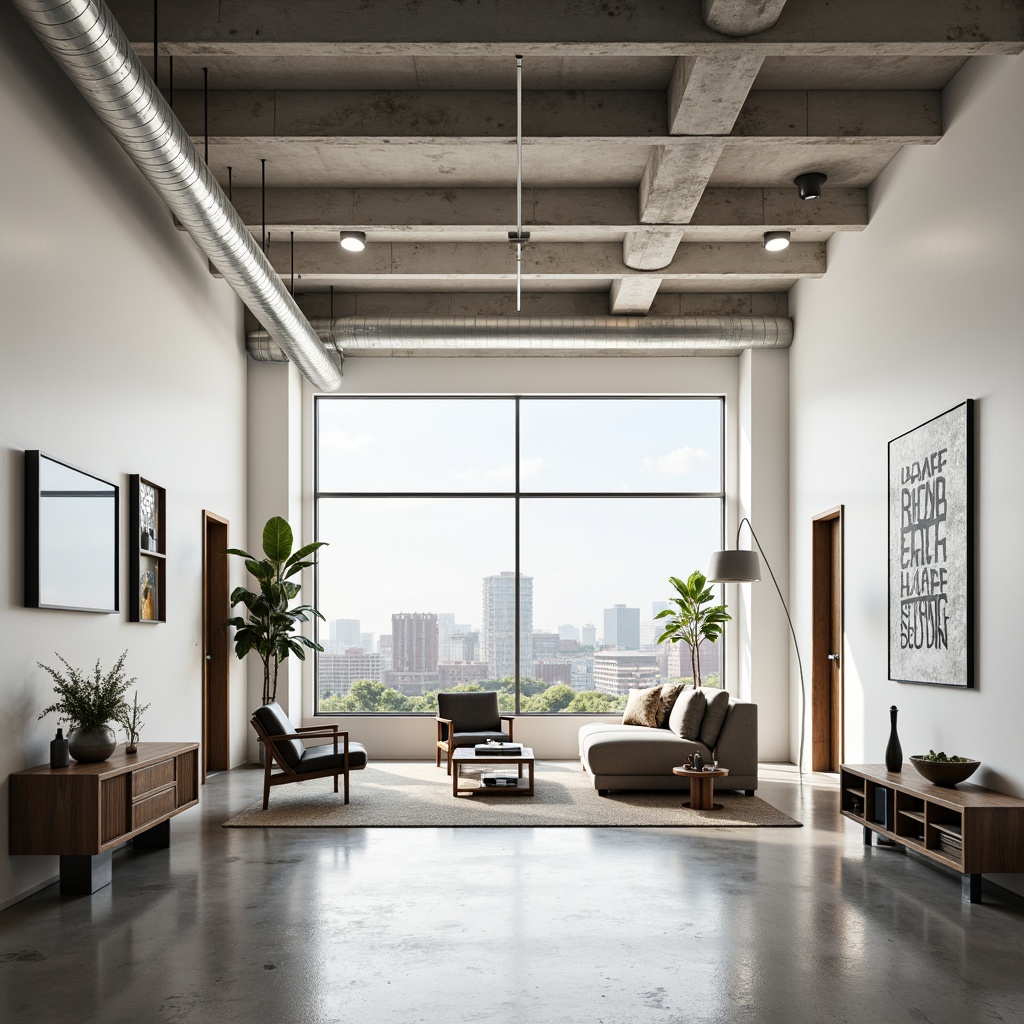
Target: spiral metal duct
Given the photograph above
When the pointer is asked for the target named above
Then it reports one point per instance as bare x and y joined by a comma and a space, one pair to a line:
90, 46
371, 335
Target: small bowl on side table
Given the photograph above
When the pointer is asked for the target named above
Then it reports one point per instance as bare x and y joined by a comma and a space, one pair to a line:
944, 773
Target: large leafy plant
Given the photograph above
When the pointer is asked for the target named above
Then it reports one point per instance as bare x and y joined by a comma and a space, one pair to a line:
694, 618
85, 702
271, 624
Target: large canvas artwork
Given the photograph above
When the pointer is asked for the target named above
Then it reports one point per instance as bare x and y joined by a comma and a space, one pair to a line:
930, 484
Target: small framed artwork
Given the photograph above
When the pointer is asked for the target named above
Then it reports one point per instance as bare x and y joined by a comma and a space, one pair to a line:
147, 550
931, 552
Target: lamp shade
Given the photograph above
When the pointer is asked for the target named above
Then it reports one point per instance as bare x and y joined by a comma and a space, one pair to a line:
734, 567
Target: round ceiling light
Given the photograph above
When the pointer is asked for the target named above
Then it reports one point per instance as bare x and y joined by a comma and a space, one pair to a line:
776, 241
353, 241
810, 184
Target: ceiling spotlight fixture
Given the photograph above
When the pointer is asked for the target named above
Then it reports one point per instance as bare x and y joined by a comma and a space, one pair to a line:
810, 184
776, 241
353, 241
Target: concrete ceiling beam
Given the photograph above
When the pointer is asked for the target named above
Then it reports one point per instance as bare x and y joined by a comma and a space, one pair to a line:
706, 94
404, 116
741, 17
632, 295
474, 262
586, 27
675, 178
650, 248
594, 213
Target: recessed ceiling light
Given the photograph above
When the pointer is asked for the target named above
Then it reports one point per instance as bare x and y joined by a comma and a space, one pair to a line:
776, 241
810, 184
353, 241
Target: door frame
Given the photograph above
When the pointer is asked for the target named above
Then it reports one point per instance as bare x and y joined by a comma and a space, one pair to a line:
216, 652
828, 700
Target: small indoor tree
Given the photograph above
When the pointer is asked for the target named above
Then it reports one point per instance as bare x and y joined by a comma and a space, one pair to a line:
694, 618
270, 628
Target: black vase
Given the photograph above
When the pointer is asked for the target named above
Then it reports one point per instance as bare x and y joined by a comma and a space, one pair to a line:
893, 750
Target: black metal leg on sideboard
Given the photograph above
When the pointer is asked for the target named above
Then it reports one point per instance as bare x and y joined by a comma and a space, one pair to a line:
867, 836
970, 888
82, 876
156, 838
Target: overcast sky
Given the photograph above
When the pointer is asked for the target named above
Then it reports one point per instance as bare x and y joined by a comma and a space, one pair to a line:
430, 554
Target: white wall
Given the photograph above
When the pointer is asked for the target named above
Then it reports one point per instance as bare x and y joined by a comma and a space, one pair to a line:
119, 353
922, 310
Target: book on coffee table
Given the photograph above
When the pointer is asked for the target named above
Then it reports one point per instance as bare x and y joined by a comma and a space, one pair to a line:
494, 780
499, 749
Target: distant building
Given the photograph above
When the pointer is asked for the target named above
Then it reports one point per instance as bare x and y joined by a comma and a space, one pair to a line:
545, 646
674, 660
568, 632
452, 673
622, 628
366, 641
464, 646
498, 626
414, 642
412, 684
553, 672
568, 646
589, 638
384, 649
343, 633
337, 672
618, 672
582, 677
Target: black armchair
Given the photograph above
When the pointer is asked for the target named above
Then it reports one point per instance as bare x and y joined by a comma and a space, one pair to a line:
283, 743
465, 719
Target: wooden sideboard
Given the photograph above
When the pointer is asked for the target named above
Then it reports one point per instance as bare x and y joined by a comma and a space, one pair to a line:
966, 828
81, 813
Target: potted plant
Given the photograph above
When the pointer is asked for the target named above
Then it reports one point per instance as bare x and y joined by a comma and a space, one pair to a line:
270, 626
87, 705
694, 619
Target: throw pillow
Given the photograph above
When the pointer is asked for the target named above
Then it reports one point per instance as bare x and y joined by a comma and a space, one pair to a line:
642, 707
714, 717
669, 692
687, 714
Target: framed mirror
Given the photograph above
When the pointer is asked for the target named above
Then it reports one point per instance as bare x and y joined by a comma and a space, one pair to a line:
71, 537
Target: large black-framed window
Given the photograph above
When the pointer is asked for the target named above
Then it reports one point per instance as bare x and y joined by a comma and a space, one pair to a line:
517, 543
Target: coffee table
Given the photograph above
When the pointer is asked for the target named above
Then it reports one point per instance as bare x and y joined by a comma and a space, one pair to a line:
702, 786
467, 756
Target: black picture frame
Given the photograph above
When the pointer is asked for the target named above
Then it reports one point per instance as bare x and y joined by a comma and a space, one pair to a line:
931, 551
71, 552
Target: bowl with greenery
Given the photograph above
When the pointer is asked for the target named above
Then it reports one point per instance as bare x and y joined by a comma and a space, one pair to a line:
944, 770
87, 703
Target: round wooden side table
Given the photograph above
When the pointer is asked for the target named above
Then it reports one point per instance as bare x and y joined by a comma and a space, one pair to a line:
702, 785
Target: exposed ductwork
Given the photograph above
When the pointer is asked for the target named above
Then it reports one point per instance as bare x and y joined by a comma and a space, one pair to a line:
87, 42
371, 335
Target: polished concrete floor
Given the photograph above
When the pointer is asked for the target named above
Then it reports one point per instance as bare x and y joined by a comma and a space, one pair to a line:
780, 926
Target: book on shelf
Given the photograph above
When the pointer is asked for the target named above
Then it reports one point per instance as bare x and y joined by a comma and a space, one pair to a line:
499, 749
498, 781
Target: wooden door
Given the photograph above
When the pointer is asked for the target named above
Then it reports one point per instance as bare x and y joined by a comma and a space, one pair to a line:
217, 652
827, 641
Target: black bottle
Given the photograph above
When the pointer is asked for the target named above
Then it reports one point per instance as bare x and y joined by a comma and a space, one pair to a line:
59, 751
893, 752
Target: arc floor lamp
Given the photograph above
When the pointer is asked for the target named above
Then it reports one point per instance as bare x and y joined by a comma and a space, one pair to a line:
741, 566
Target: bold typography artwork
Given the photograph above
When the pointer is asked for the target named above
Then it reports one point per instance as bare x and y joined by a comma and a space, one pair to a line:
930, 551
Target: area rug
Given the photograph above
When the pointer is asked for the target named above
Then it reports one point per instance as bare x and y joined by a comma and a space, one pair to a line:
414, 794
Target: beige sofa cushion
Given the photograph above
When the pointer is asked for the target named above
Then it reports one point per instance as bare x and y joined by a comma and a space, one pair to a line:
687, 714
643, 707
669, 693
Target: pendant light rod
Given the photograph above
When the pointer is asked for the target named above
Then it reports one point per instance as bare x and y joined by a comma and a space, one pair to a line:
519, 236
206, 116
263, 204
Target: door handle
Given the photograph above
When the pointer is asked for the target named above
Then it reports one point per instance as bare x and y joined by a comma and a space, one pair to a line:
833, 657
209, 657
